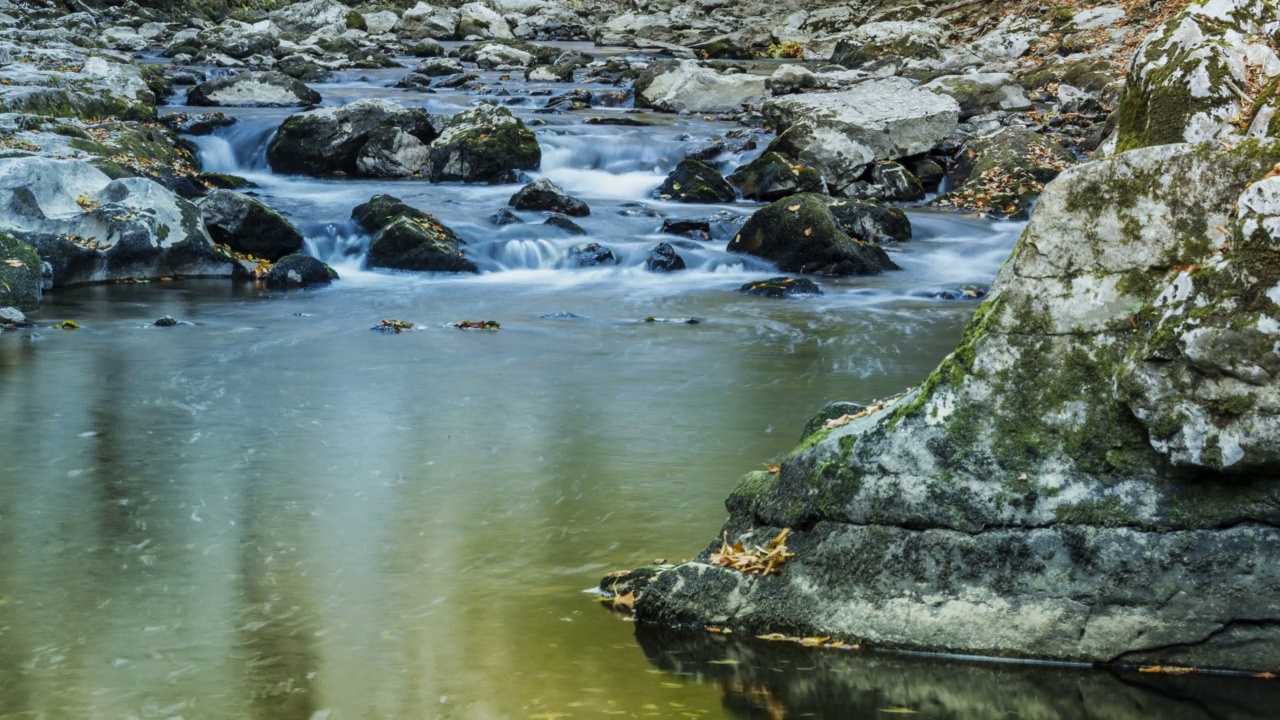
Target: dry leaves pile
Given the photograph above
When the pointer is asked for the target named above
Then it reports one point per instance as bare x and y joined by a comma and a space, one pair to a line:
396, 326
756, 559
477, 325
822, 642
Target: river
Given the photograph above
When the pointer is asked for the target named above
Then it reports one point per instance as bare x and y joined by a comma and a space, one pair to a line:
273, 512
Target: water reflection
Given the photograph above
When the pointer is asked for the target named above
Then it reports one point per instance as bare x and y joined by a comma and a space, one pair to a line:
761, 680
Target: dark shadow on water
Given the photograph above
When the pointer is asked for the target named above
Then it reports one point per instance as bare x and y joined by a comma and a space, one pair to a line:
763, 680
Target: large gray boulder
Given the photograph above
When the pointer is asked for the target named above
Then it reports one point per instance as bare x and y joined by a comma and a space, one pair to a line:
830, 151
981, 93
425, 21
685, 86
247, 226
485, 144
912, 39
90, 228
311, 16
253, 89
1091, 476
334, 140
891, 117
475, 19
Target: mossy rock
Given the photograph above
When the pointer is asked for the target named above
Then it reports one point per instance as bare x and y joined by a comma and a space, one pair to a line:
487, 144
772, 176
782, 287
800, 234
20, 281
693, 181
299, 271
1002, 174
420, 244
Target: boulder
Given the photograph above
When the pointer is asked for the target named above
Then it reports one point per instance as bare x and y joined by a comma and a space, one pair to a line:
253, 89
693, 181
685, 86
664, 258
90, 228
423, 21
382, 21
20, 282
485, 144
406, 238
870, 221
304, 68
478, 20
297, 272
1002, 173
495, 55
98, 87
248, 226
981, 93
894, 183
1187, 77
330, 140
836, 156
590, 255
1089, 477
772, 176
782, 287
913, 40
391, 153
561, 222
891, 117
505, 217
542, 194
311, 16
790, 79
800, 234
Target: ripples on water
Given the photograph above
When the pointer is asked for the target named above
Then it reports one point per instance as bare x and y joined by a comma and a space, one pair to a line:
275, 513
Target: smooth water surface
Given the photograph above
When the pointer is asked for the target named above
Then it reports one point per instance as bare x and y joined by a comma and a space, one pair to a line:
275, 513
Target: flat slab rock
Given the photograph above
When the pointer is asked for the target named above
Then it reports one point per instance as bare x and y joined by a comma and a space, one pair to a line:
892, 117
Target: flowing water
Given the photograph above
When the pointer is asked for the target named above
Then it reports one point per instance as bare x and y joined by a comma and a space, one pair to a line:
275, 513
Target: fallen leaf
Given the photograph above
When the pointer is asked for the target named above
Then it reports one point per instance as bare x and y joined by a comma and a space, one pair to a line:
1167, 669
808, 232
900, 711
68, 325
773, 469
13, 263
625, 602
814, 641
1266, 675
793, 208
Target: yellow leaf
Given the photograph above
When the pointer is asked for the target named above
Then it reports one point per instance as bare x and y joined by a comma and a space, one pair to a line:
773, 469
68, 325
13, 263
793, 208
900, 711
625, 602
814, 641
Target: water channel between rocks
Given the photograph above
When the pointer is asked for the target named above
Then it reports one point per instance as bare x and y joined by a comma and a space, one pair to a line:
276, 513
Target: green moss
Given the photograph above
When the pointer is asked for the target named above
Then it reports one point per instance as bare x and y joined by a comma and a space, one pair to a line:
1107, 512
19, 285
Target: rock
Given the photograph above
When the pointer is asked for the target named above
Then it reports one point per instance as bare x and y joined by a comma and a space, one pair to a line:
12, 317
780, 287
870, 221
331, 140
196, 124
505, 217
476, 19
485, 144
564, 223
542, 194
248, 226
1089, 477
895, 183
907, 39
1002, 173
99, 88
684, 86
166, 321
1077, 101
312, 16
696, 229
253, 89
693, 181
550, 73
383, 21
390, 153
980, 93
829, 151
590, 255
891, 117
423, 21
437, 67
495, 55
90, 228
927, 171
225, 181
1179, 86
663, 258
406, 238
830, 411
299, 271
20, 281
799, 234
790, 79
771, 177
304, 69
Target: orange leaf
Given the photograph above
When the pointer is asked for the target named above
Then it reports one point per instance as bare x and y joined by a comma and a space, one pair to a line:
625, 602
773, 468
808, 232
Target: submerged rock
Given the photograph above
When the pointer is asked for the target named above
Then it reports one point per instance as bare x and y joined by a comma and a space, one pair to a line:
800, 234
565, 224
591, 254
782, 287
